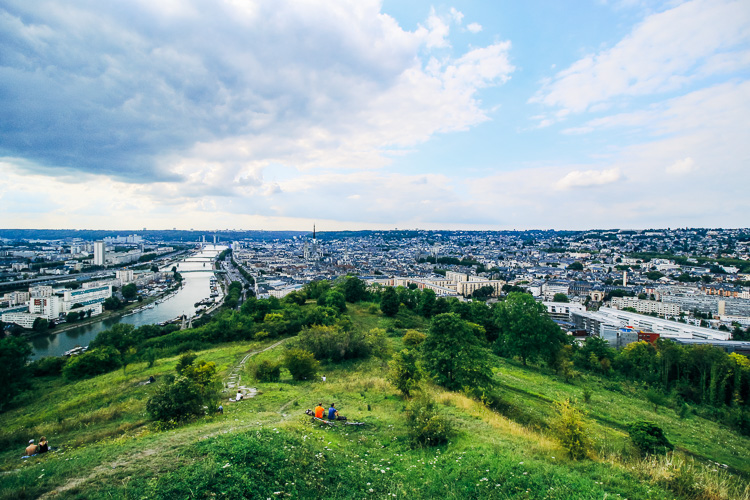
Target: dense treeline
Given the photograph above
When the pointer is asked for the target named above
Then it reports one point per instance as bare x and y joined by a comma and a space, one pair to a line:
677, 374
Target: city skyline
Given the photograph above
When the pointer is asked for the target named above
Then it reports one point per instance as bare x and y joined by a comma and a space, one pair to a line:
374, 115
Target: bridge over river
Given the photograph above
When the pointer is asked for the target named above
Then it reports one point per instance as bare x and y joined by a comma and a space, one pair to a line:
217, 271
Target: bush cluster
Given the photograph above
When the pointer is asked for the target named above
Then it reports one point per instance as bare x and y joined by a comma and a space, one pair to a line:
92, 362
267, 371
424, 423
301, 364
648, 437
335, 343
571, 432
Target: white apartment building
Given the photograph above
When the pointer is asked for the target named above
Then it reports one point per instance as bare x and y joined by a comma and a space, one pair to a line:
466, 288
563, 310
40, 291
455, 277
593, 322
99, 253
22, 319
646, 306
125, 276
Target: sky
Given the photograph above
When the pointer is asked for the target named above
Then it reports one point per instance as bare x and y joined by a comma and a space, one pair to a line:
366, 114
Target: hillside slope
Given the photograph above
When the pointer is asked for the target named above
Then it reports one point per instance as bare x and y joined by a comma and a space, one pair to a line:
266, 447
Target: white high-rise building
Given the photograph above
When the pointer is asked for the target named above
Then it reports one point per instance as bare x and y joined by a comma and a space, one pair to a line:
99, 254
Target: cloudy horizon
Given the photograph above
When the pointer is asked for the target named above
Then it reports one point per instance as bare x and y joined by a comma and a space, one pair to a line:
374, 115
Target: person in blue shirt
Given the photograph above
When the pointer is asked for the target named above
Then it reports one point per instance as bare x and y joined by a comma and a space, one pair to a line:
332, 412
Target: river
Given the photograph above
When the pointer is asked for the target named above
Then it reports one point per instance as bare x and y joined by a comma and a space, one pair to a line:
196, 287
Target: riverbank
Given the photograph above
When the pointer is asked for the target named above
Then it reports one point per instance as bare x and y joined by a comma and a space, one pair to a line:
131, 308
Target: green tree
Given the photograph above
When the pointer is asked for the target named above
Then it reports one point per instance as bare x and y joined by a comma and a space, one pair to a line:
525, 329
404, 372
455, 353
121, 336
560, 297
389, 302
353, 288
576, 266
301, 364
92, 362
203, 373
427, 302
654, 275
72, 317
483, 292
336, 343
413, 338
129, 291
336, 300
315, 289
14, 354
149, 356
40, 325
176, 402
184, 362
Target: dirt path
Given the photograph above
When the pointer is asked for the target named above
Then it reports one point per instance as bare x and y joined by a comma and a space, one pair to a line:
234, 379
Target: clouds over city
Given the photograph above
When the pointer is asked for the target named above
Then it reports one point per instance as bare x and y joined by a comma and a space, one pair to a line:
272, 114
143, 92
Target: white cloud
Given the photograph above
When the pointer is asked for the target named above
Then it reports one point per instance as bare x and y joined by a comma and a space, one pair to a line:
681, 167
589, 178
665, 52
474, 27
135, 95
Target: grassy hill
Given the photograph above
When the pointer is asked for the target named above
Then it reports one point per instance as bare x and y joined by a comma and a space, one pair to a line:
266, 448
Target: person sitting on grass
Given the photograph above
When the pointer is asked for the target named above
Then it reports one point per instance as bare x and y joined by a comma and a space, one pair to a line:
31, 449
43, 445
333, 413
319, 410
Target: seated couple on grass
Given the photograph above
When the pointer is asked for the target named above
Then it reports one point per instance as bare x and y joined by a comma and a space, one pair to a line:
333, 413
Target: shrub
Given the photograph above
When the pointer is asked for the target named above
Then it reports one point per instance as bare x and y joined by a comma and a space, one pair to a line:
267, 371
93, 362
413, 338
337, 344
570, 430
176, 402
404, 372
301, 364
586, 395
656, 398
425, 425
185, 361
648, 437
47, 366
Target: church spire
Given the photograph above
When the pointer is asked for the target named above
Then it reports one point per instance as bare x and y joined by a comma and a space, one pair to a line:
313, 231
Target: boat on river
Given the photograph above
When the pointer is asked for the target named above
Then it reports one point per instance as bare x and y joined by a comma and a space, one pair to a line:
76, 351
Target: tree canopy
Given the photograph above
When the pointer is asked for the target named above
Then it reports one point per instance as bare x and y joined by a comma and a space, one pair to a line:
455, 353
14, 353
526, 330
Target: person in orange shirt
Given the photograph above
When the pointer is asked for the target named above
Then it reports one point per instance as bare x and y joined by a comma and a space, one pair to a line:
319, 410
